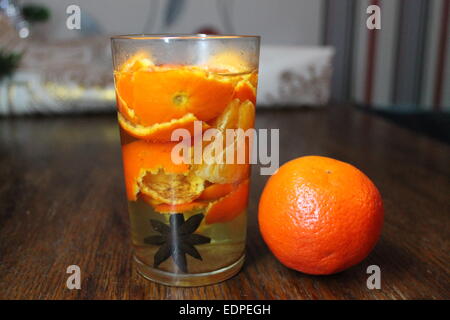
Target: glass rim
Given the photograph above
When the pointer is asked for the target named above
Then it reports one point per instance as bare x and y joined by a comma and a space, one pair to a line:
183, 36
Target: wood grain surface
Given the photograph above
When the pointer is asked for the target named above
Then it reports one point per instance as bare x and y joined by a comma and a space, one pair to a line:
62, 203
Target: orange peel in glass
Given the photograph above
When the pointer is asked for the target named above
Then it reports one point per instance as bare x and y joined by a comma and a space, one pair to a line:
236, 116
180, 208
139, 61
216, 191
163, 94
148, 168
229, 62
172, 188
228, 207
244, 90
153, 101
160, 132
123, 80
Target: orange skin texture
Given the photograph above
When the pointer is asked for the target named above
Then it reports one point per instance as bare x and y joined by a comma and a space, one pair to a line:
141, 156
164, 134
123, 108
160, 132
160, 96
230, 206
216, 191
124, 87
245, 91
253, 79
319, 215
155, 101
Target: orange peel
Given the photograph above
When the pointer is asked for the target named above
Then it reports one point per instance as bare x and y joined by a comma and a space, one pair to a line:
172, 188
229, 207
216, 191
123, 80
231, 61
244, 90
139, 61
161, 95
236, 116
180, 208
159, 132
141, 157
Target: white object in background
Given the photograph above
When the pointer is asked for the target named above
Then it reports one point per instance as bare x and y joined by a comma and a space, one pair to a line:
294, 75
76, 76
61, 77
11, 10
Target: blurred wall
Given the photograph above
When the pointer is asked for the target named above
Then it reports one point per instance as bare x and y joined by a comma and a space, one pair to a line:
404, 66
279, 22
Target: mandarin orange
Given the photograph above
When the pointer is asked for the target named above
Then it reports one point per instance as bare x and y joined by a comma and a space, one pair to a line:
319, 215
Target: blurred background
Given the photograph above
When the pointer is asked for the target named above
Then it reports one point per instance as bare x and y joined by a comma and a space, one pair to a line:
314, 53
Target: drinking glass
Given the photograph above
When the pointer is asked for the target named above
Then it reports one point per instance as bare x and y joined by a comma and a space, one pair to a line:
186, 108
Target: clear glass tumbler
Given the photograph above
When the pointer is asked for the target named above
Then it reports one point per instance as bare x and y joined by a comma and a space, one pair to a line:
186, 109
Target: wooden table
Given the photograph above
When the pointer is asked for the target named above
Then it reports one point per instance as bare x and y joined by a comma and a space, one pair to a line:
62, 203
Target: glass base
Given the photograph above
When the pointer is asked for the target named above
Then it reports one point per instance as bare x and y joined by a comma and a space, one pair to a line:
189, 280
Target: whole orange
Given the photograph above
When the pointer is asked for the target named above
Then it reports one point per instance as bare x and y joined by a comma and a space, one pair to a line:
319, 215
